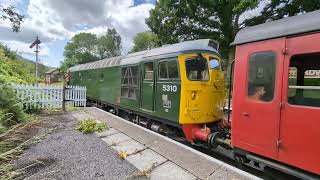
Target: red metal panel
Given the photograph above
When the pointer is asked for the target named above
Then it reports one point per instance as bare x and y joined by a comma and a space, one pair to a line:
255, 125
300, 125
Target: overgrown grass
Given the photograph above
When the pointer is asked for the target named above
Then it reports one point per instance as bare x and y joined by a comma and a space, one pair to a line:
11, 110
12, 144
90, 125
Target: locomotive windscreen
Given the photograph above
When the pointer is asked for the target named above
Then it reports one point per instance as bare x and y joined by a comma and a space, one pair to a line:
197, 69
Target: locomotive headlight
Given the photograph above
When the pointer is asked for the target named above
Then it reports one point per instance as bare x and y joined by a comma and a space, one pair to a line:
193, 95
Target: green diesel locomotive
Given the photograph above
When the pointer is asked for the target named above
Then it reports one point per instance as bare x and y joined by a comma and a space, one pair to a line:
178, 86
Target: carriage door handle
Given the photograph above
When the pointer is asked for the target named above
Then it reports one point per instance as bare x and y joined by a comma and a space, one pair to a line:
245, 114
151, 84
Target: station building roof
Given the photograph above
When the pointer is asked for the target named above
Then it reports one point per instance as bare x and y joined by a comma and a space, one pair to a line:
304, 23
134, 58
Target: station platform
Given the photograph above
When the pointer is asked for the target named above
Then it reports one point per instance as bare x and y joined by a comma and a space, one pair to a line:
163, 157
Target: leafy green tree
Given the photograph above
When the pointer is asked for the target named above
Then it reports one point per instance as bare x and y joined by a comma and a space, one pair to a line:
145, 40
80, 49
278, 9
109, 45
15, 69
10, 13
86, 47
173, 21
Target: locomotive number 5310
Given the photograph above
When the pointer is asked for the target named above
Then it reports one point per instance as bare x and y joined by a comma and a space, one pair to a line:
169, 88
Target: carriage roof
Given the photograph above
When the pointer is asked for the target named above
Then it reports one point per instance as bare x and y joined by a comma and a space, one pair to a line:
134, 58
303, 23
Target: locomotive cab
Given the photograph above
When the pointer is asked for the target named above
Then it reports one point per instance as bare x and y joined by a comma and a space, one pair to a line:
202, 94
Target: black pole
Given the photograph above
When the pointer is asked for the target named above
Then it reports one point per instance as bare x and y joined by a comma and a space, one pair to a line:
230, 87
64, 95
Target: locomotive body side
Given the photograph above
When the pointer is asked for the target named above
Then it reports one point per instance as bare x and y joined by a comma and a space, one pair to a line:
157, 87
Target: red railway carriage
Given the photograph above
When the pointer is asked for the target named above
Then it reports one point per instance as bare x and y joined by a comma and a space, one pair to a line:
276, 116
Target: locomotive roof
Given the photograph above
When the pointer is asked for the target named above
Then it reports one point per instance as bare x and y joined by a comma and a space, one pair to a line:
303, 23
201, 44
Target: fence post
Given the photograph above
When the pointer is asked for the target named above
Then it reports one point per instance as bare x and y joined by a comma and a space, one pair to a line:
64, 95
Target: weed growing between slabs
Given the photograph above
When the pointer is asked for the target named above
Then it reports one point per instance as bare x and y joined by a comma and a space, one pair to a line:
90, 125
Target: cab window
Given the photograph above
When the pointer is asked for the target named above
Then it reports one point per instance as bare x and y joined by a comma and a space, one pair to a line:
304, 80
214, 63
168, 70
197, 69
148, 71
261, 76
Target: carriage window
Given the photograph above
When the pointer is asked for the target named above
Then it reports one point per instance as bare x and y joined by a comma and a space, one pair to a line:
304, 80
129, 84
261, 76
197, 69
168, 70
148, 71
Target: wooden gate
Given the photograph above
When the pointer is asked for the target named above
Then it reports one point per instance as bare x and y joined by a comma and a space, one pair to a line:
47, 96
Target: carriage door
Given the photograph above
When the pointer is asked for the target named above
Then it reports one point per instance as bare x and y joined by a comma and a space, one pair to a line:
147, 86
258, 91
300, 118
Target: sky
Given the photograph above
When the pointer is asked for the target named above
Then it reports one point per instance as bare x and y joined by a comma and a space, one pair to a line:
57, 21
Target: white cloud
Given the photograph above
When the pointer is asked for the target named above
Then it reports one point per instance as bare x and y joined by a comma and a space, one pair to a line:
23, 48
59, 20
126, 19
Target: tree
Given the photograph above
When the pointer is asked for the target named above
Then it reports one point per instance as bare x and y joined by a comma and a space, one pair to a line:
173, 21
86, 47
278, 9
80, 49
109, 45
10, 13
145, 40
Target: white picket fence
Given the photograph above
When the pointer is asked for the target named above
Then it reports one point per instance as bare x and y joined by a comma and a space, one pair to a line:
46, 96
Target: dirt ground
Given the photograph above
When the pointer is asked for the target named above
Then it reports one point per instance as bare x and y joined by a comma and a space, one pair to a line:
53, 149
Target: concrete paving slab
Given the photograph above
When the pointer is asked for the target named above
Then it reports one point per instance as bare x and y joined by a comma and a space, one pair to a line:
131, 146
146, 159
116, 139
107, 132
193, 161
198, 165
224, 173
170, 171
80, 115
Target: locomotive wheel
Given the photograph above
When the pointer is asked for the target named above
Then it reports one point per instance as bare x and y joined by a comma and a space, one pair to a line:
212, 140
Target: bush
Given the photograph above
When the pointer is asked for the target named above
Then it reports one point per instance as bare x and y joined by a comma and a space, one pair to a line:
90, 126
11, 111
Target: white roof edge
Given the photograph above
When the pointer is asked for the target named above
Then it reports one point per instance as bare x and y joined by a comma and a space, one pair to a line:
200, 44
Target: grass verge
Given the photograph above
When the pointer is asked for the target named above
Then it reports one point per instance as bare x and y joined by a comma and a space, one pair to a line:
14, 142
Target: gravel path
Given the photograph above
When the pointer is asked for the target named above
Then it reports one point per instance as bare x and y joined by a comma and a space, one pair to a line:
69, 154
